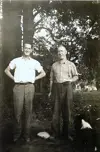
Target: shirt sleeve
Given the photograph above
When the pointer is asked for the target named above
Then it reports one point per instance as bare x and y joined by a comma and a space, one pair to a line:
12, 64
38, 67
74, 70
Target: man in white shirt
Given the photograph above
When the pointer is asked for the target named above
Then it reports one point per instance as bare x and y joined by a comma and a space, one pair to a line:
24, 77
63, 73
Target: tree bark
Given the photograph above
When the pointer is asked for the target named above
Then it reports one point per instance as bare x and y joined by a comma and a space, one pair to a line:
11, 38
28, 22
1, 71
98, 67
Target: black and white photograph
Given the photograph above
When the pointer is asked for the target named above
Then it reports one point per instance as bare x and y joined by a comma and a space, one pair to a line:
49, 76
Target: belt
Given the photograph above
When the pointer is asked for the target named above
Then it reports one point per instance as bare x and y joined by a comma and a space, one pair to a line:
66, 82
24, 83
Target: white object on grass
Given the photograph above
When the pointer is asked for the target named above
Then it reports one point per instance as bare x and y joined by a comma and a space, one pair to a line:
95, 149
44, 135
85, 124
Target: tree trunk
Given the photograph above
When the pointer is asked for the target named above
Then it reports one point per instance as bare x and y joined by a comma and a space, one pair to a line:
1, 69
11, 38
28, 22
1, 78
98, 67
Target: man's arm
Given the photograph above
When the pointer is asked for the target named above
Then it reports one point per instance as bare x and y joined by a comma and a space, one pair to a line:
51, 82
40, 75
75, 78
8, 73
74, 73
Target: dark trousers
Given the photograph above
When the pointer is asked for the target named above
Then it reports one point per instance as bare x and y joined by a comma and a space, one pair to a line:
63, 96
23, 98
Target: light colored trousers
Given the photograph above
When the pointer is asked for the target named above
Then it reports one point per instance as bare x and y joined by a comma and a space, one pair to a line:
23, 95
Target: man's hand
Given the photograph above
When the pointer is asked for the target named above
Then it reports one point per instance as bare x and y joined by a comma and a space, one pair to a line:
35, 79
8, 73
49, 95
41, 75
70, 80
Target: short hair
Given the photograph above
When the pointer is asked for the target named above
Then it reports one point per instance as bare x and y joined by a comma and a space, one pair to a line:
61, 46
28, 44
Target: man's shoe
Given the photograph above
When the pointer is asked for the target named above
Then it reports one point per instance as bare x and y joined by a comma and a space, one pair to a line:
52, 138
16, 139
27, 140
70, 138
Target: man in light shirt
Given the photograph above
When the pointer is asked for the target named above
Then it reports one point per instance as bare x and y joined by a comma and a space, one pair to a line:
63, 74
24, 78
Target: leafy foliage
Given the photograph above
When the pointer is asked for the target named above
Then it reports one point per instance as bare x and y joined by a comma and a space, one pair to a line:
47, 24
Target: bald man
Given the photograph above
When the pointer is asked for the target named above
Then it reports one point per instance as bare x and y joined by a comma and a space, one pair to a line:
24, 78
63, 74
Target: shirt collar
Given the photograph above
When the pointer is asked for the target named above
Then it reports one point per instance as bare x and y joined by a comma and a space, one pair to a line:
28, 58
63, 62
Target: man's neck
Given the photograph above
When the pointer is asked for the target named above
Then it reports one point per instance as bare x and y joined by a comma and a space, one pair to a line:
63, 61
26, 57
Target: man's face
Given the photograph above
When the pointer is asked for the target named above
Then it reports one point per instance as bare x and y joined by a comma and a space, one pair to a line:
61, 53
27, 49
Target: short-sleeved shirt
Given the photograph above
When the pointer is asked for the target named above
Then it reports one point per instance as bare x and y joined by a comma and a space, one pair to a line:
25, 69
62, 72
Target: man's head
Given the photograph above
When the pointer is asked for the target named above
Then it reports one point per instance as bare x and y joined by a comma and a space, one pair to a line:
62, 52
27, 49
